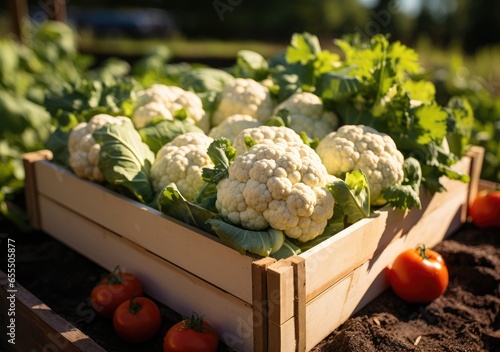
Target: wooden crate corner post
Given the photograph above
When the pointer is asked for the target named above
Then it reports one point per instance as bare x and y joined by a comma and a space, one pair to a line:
476, 154
286, 294
260, 303
30, 184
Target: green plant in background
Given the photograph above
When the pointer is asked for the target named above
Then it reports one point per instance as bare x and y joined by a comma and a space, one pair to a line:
457, 80
26, 75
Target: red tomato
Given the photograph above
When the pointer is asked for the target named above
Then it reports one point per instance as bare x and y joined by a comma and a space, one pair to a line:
191, 335
419, 275
113, 290
137, 320
485, 209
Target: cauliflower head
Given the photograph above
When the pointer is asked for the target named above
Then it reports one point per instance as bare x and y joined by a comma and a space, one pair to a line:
173, 99
83, 148
231, 126
265, 135
145, 114
181, 161
308, 115
280, 186
361, 147
243, 96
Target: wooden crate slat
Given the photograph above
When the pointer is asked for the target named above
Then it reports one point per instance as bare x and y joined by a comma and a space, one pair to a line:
201, 254
30, 184
260, 303
299, 288
280, 292
169, 284
38, 327
282, 337
477, 155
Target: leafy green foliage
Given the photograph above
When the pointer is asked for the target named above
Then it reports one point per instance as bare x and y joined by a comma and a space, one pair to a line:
406, 195
125, 161
163, 131
27, 73
451, 82
153, 67
24, 127
280, 119
262, 243
207, 83
463, 122
379, 84
352, 203
87, 98
108, 93
171, 202
352, 198
299, 68
250, 64
222, 154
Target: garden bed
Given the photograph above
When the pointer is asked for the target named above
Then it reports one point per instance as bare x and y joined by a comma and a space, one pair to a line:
255, 303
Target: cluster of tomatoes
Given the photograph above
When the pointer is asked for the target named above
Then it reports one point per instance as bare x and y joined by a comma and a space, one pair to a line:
420, 275
119, 296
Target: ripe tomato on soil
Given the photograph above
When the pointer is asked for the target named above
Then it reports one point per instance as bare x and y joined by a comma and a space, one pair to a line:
114, 289
191, 335
485, 209
137, 320
419, 275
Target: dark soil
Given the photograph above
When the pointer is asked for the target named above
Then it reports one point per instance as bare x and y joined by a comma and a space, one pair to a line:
465, 318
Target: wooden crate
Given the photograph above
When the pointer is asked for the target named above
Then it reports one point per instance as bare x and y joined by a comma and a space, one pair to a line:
37, 327
256, 304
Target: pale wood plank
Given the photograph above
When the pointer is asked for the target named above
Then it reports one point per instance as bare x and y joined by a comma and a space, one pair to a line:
476, 153
299, 279
193, 250
260, 304
282, 337
486, 185
168, 283
38, 327
30, 185
280, 292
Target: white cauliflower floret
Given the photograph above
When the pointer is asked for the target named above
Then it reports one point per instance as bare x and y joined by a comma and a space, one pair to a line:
280, 186
266, 134
243, 96
308, 115
360, 147
181, 161
173, 98
83, 148
145, 114
233, 125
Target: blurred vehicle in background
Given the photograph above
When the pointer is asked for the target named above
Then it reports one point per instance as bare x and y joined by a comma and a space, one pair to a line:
138, 23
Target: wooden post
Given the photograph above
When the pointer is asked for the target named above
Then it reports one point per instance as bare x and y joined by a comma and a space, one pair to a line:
56, 10
19, 16
18, 12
